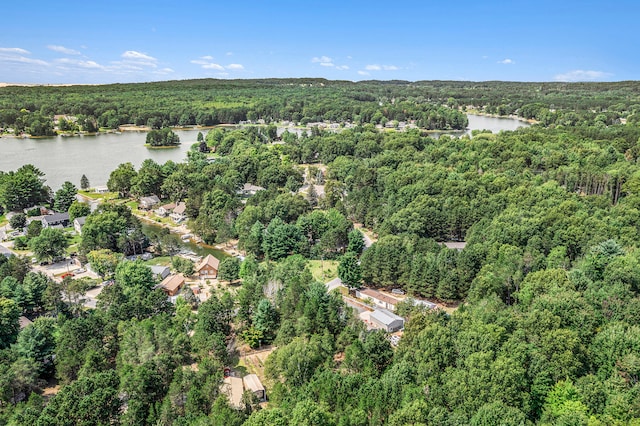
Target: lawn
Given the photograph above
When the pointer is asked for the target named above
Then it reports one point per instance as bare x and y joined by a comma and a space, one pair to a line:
323, 270
160, 260
95, 196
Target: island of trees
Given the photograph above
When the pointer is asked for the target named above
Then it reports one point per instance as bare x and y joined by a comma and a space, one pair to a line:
538, 318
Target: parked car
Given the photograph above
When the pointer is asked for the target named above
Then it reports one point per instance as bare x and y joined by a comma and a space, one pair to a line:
397, 291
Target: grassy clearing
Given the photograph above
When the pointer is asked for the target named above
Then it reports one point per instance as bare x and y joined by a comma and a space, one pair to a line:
323, 271
160, 260
95, 196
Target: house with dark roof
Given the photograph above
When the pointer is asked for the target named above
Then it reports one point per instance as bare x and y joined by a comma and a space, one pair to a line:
56, 219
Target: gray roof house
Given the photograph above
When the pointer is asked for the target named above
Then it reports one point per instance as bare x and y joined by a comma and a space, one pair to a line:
160, 272
147, 203
55, 219
387, 320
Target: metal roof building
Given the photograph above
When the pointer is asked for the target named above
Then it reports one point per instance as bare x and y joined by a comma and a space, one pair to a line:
387, 320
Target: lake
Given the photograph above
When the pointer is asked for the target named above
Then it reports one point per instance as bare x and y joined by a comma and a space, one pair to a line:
68, 158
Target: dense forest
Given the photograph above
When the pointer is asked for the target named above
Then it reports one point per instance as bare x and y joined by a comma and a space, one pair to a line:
542, 324
429, 104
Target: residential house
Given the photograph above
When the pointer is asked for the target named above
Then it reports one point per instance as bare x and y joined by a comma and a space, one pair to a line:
172, 284
160, 272
249, 189
208, 268
102, 189
165, 210
24, 322
379, 300
386, 320
40, 209
56, 219
455, 245
78, 223
179, 212
147, 203
253, 383
233, 388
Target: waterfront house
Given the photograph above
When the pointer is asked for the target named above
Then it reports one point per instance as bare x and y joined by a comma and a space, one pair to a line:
165, 210
208, 268
179, 212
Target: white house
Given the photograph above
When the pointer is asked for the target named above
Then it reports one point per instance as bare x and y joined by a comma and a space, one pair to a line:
179, 212
378, 299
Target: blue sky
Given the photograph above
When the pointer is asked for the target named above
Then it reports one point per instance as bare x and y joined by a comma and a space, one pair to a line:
133, 41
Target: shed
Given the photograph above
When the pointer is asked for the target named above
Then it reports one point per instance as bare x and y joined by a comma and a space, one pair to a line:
252, 382
232, 387
387, 320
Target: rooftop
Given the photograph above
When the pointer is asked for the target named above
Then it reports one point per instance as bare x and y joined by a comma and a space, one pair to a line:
385, 317
377, 295
172, 282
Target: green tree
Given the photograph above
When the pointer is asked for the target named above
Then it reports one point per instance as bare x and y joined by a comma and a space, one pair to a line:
89, 401
229, 269
103, 262
22, 188
65, 196
78, 209
121, 179
282, 239
84, 183
356, 242
9, 327
18, 221
349, 271
34, 228
37, 342
266, 320
50, 244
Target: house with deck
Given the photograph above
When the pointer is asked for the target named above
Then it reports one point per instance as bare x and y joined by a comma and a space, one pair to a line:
208, 268
165, 210
179, 212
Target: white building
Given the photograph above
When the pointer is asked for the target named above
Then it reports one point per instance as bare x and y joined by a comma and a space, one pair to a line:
386, 320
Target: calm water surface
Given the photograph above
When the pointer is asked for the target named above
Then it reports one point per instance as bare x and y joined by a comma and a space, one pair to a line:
68, 158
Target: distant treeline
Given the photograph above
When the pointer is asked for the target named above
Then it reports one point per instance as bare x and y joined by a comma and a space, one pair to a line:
206, 102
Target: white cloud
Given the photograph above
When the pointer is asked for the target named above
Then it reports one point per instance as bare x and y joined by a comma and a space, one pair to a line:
342, 67
321, 59
138, 56
327, 64
14, 50
235, 67
507, 61
207, 57
212, 66
373, 67
229, 53
199, 62
363, 72
62, 49
80, 63
582, 75
390, 68
164, 71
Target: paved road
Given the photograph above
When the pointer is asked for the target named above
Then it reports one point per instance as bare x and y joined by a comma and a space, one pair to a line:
5, 251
